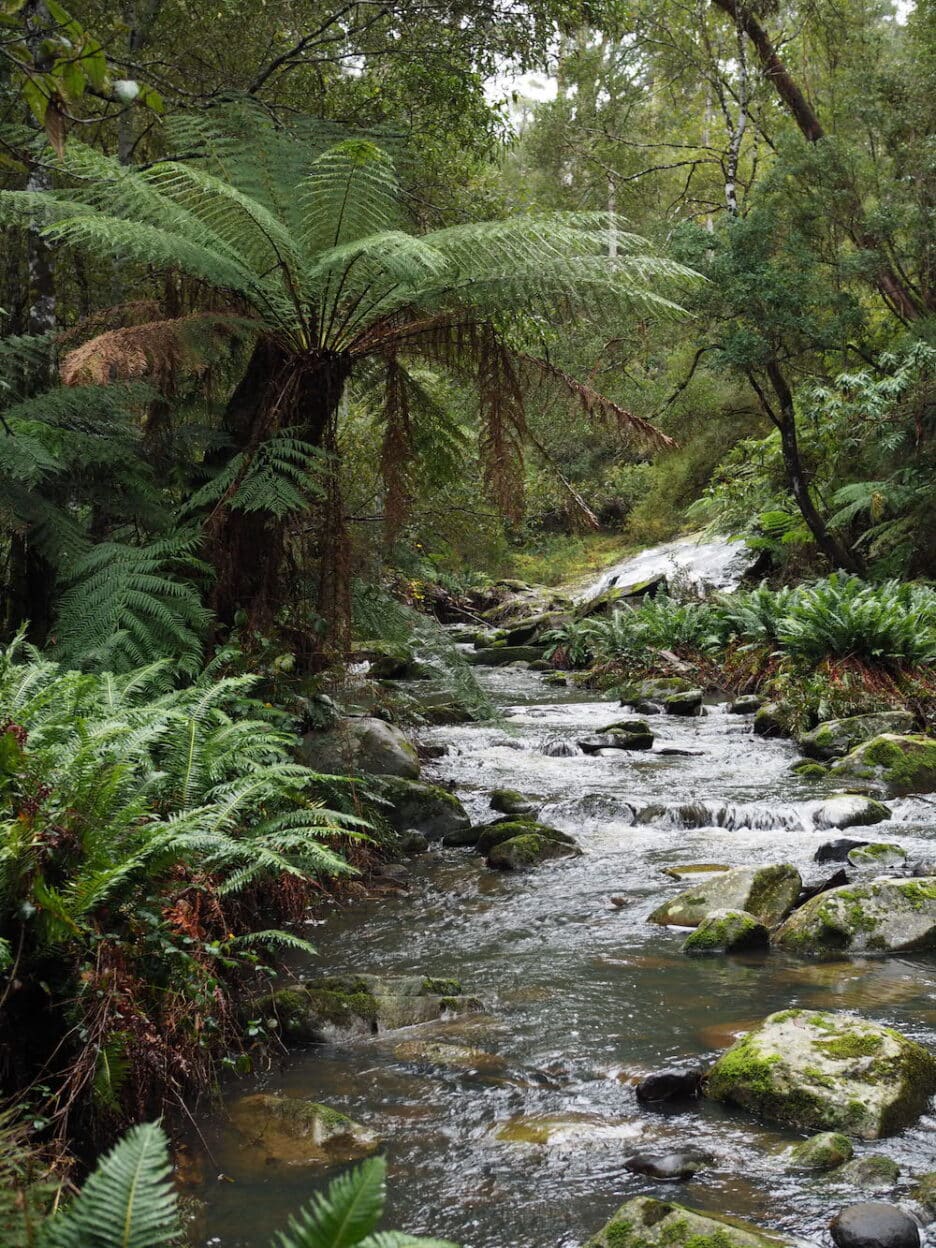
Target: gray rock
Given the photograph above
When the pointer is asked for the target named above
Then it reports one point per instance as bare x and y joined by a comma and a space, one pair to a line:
688, 703
500, 656
746, 704
529, 849
879, 855
814, 1070
425, 807
880, 916
294, 1132
826, 1151
835, 737
849, 810
874, 1172
767, 893
874, 1225
365, 745
898, 764
727, 931
769, 721
649, 1223
836, 851
510, 802
672, 1167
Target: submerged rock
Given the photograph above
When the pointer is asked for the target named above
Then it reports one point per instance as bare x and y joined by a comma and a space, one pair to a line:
448, 1056
836, 851
879, 854
727, 931
672, 1167
529, 849
767, 893
688, 702
826, 1151
294, 1132
874, 1225
510, 802
835, 737
901, 764
676, 1083
873, 1171
347, 1007
811, 1069
849, 810
424, 807
366, 745
648, 1223
880, 916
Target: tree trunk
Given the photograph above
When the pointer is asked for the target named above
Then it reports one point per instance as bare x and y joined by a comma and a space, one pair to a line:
785, 420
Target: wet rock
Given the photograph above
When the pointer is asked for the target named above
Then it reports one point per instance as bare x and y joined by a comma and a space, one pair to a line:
676, 752
836, 851
849, 810
874, 1225
496, 833
644, 706
648, 1223
672, 1167
810, 1069
448, 1056
425, 807
767, 893
874, 1172
294, 1132
619, 902
347, 1007
627, 734
826, 1151
688, 702
835, 737
900, 764
559, 679
879, 854
880, 916
689, 869
924, 1192
727, 931
676, 1083
557, 748
770, 721
392, 873
500, 656
529, 850
838, 879
413, 842
365, 745
510, 802
746, 704
560, 1128
650, 814
654, 689
809, 770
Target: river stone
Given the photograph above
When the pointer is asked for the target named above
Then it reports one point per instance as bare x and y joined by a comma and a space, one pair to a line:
874, 1172
924, 1192
496, 833
631, 734
849, 810
500, 656
836, 737
529, 849
874, 1225
727, 931
510, 802
648, 1223
676, 1083
629, 728
654, 689
293, 1132
424, 807
902, 764
836, 851
688, 702
746, 704
767, 893
880, 916
879, 854
365, 745
348, 1007
665, 1167
809, 769
810, 1069
769, 721
448, 1056
826, 1151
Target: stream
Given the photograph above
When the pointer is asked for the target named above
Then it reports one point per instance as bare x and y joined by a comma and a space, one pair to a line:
582, 997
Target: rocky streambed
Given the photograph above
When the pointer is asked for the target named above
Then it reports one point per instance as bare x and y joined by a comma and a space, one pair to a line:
494, 1031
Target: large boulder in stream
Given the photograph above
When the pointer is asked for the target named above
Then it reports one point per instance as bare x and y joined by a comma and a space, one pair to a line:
530, 848
874, 1225
351, 1007
880, 916
494, 834
424, 808
813, 1070
727, 931
849, 810
899, 764
293, 1132
767, 893
623, 734
648, 1223
835, 737
365, 745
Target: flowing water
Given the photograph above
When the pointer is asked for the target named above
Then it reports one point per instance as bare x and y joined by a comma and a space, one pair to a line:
581, 997
714, 562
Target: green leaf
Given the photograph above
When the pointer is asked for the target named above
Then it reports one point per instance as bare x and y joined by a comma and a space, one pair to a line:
343, 1215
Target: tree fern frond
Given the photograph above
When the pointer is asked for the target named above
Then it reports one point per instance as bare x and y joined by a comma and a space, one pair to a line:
343, 1215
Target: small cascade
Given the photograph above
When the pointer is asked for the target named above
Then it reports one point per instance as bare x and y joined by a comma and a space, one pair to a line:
715, 562
754, 816
557, 747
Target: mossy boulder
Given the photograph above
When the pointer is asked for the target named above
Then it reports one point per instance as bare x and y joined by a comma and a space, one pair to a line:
770, 721
766, 893
809, 769
529, 849
510, 802
648, 1223
849, 810
746, 704
924, 1191
835, 737
623, 734
653, 689
288, 1131
826, 1151
498, 832
348, 1007
879, 916
813, 1070
687, 702
360, 746
424, 807
727, 931
500, 656
879, 855
874, 1172
900, 764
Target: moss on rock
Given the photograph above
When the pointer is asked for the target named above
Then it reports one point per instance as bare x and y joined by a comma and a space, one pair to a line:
648, 1223
529, 849
903, 764
727, 931
826, 1151
880, 916
767, 893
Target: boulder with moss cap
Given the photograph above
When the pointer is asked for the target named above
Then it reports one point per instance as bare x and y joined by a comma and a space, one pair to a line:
826, 1151
289, 1131
883, 915
530, 848
429, 809
813, 1070
647, 1223
366, 745
835, 737
727, 931
767, 893
899, 764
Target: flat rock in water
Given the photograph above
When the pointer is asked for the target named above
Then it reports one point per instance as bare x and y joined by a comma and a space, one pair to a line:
690, 869
874, 1225
826, 1151
672, 1167
879, 855
881, 916
849, 810
648, 1223
746, 704
294, 1132
448, 1056
809, 1069
768, 893
874, 1172
835, 737
687, 703
510, 802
